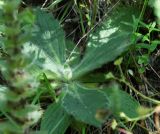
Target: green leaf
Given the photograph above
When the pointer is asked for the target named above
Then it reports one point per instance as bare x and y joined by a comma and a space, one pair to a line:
143, 45
83, 103
141, 69
118, 61
154, 45
122, 103
39, 62
55, 120
108, 41
109, 75
144, 59
73, 53
26, 16
146, 38
49, 37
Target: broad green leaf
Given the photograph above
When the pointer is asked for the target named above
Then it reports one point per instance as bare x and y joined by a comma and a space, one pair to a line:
84, 103
55, 120
124, 105
108, 41
73, 53
39, 62
49, 37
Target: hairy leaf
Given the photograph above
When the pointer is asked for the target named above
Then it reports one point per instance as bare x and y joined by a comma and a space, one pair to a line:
49, 37
108, 41
55, 120
121, 103
73, 53
84, 103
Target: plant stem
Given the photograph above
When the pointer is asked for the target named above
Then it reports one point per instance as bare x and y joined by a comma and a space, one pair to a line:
50, 89
83, 130
138, 93
142, 13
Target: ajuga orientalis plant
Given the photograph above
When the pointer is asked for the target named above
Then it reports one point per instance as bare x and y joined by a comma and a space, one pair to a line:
74, 99
46, 62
